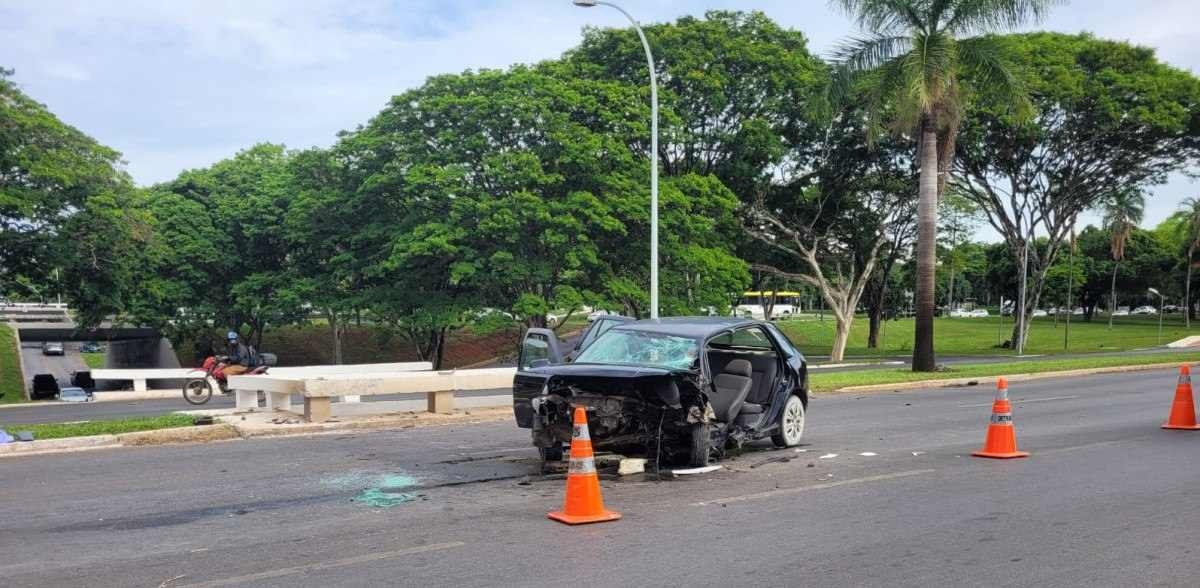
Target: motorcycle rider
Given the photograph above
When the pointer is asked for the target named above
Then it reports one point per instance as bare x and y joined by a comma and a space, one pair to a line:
239, 359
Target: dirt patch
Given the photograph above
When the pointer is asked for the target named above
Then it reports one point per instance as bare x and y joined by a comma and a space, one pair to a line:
202, 434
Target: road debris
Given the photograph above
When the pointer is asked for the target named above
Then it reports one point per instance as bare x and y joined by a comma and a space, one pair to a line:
694, 471
631, 465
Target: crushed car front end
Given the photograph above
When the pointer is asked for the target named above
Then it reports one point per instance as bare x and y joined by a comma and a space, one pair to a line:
628, 406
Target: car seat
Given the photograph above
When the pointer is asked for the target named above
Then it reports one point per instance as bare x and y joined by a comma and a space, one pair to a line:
730, 389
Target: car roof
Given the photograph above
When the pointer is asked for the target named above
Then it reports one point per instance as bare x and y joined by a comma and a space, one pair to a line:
695, 327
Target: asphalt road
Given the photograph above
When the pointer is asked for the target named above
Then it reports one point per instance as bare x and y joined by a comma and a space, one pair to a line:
62, 366
1107, 499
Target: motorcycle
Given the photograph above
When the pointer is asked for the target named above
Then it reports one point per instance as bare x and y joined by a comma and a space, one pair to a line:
198, 390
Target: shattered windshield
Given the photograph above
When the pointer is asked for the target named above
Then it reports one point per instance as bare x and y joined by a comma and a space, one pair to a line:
638, 348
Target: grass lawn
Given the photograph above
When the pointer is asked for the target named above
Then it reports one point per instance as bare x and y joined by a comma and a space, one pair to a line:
11, 386
93, 360
113, 427
981, 336
829, 381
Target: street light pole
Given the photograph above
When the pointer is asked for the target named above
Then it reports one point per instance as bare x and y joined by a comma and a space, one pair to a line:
653, 151
1161, 302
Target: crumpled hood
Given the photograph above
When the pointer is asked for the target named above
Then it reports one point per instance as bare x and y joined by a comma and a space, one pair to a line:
604, 379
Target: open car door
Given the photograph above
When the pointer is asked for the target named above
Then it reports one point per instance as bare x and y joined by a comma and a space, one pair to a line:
598, 327
539, 348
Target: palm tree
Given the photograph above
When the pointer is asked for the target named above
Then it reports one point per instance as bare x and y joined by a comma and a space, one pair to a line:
1190, 211
1122, 213
915, 58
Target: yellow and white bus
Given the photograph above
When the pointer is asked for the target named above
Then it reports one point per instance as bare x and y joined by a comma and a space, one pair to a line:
783, 305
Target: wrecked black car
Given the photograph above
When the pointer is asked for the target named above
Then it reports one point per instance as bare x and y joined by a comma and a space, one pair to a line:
679, 389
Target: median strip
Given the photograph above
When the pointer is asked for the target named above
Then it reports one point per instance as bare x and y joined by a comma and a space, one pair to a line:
886, 380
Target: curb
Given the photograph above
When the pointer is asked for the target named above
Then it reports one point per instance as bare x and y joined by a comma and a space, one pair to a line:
226, 431
971, 381
390, 421
59, 445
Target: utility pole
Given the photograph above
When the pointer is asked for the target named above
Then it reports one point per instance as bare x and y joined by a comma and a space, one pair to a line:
1070, 282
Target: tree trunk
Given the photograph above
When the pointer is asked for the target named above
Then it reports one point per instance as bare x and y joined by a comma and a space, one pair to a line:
841, 336
1112, 296
335, 330
437, 347
923, 359
1187, 289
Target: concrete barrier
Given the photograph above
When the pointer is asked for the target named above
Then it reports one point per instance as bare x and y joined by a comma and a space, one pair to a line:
318, 391
139, 377
439, 387
280, 383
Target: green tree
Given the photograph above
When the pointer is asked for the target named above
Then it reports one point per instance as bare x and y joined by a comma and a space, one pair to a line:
919, 61
1106, 114
1122, 214
1190, 213
49, 172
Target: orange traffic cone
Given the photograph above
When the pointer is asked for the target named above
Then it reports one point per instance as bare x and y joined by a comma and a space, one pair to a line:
583, 503
1183, 412
1001, 441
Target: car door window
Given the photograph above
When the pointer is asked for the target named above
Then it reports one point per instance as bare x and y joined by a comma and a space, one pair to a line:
535, 348
751, 338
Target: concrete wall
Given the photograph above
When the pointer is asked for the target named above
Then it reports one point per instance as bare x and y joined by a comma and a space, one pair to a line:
142, 353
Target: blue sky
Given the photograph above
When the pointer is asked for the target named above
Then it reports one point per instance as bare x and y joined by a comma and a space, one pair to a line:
183, 83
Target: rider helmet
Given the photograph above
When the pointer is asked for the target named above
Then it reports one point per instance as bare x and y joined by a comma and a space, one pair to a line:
232, 336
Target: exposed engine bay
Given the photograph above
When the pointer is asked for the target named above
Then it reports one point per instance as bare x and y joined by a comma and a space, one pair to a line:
652, 413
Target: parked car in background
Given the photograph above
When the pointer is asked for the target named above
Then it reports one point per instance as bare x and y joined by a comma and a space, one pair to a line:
90, 347
1144, 310
979, 313
1037, 312
74, 394
1171, 308
49, 348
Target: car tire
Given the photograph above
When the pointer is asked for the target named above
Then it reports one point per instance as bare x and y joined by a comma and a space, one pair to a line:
701, 446
791, 423
550, 454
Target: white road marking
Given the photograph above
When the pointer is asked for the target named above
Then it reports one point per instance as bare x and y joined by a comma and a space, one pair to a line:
798, 490
868, 454
828, 456
1019, 401
337, 563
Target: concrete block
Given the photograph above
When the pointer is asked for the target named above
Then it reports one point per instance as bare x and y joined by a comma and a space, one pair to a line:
279, 401
630, 466
317, 410
441, 402
247, 400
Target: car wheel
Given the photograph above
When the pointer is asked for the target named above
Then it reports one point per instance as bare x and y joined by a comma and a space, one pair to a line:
791, 423
551, 453
701, 446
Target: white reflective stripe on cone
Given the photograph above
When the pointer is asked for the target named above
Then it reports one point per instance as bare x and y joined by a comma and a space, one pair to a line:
584, 465
581, 432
